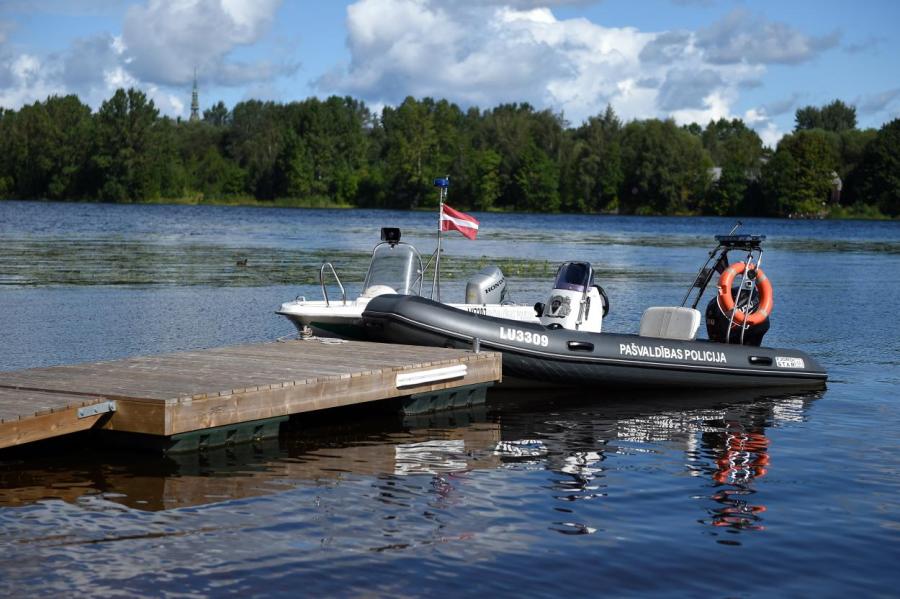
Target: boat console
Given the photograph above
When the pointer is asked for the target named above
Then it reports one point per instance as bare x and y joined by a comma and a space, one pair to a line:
575, 303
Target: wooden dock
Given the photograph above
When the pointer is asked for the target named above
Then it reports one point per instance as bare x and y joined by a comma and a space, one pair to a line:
222, 395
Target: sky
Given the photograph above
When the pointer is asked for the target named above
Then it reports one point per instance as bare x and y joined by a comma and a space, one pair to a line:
690, 60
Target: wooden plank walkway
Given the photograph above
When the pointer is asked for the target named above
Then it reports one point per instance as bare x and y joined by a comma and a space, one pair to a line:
176, 393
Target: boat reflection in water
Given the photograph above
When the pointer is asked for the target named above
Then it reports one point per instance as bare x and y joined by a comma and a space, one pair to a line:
722, 437
592, 450
743, 457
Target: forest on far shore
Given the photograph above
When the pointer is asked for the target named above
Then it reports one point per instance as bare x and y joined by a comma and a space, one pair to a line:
336, 152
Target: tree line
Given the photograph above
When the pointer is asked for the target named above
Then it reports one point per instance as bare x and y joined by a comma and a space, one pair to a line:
511, 157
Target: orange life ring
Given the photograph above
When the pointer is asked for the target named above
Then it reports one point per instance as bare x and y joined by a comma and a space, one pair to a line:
763, 286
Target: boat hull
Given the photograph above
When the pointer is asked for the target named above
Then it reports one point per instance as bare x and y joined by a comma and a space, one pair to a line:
563, 357
345, 320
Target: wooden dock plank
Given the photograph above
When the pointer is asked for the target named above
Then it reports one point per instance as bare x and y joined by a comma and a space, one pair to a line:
169, 394
32, 416
14, 403
319, 395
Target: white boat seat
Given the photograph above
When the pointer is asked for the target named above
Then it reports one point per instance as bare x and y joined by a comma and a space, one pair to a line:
376, 290
670, 323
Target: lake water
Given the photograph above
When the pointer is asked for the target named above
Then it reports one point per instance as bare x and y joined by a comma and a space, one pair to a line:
541, 494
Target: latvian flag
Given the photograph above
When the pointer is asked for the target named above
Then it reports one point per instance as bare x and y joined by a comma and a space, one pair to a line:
455, 220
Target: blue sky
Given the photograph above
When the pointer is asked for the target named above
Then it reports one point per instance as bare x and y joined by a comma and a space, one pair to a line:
692, 60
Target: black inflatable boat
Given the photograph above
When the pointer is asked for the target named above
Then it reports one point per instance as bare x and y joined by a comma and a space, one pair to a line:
568, 347
556, 355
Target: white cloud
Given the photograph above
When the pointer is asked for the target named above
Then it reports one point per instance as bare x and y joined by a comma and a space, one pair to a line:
761, 122
166, 40
875, 103
741, 36
716, 105
118, 77
755, 116
770, 134
488, 53
24, 79
688, 88
782, 106
160, 45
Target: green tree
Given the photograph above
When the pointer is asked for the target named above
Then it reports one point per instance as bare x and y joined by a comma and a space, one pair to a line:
666, 170
537, 181
487, 179
594, 166
296, 168
47, 148
7, 155
255, 141
737, 150
217, 177
879, 170
166, 161
339, 147
410, 147
125, 146
217, 115
511, 130
850, 146
835, 117
798, 178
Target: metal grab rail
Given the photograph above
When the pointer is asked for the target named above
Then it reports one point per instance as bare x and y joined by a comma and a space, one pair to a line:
337, 280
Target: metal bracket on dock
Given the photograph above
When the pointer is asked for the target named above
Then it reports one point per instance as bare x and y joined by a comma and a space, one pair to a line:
98, 408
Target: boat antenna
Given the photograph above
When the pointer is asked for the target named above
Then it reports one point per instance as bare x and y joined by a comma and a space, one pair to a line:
737, 225
442, 185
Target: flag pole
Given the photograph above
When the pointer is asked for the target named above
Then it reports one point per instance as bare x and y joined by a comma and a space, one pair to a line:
442, 185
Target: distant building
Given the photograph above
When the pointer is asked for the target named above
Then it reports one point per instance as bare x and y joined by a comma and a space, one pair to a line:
836, 187
195, 102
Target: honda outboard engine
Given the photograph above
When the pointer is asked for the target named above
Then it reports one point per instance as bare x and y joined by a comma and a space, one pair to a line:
575, 302
486, 287
717, 321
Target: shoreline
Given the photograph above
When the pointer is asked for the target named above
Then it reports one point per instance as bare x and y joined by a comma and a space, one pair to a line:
865, 213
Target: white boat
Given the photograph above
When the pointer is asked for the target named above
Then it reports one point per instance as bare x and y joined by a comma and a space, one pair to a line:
395, 268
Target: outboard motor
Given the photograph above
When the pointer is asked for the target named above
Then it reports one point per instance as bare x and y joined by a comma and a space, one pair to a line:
486, 287
717, 321
575, 302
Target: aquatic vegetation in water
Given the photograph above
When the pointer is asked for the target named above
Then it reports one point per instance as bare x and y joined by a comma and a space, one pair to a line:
128, 262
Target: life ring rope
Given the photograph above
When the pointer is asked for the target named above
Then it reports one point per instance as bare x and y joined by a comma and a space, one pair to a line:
763, 286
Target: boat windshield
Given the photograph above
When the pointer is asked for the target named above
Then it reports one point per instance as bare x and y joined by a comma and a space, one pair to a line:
574, 276
396, 266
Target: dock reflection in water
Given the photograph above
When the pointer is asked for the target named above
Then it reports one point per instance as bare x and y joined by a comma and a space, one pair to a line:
320, 454
492, 486
724, 441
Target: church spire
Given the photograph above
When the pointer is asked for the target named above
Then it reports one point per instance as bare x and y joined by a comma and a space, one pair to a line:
195, 101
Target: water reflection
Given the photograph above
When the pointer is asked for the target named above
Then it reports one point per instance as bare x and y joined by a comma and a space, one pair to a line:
585, 452
721, 438
319, 454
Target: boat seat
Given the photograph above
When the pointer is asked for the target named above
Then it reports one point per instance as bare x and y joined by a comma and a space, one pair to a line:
670, 323
376, 290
